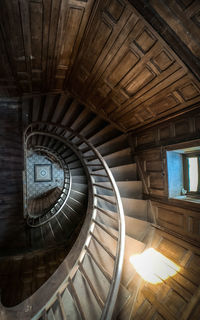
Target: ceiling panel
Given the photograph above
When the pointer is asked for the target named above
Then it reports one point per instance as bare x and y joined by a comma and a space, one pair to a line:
106, 53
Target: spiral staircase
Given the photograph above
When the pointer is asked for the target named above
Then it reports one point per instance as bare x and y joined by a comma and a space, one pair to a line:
94, 223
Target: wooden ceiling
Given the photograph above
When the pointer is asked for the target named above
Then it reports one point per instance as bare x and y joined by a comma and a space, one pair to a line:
132, 62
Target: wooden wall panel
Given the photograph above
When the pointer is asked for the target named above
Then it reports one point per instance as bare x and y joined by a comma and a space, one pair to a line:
139, 79
185, 20
12, 225
178, 296
150, 146
151, 165
41, 39
105, 53
183, 221
182, 128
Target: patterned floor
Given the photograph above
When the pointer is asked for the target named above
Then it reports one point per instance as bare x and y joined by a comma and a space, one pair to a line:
36, 172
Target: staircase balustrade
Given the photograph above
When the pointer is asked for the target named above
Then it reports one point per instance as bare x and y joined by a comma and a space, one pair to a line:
25, 310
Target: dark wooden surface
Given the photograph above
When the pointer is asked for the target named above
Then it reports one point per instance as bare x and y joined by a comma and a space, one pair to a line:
177, 22
150, 148
39, 42
177, 297
21, 275
12, 226
132, 67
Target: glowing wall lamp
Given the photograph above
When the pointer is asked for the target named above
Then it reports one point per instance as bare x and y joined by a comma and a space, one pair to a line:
153, 266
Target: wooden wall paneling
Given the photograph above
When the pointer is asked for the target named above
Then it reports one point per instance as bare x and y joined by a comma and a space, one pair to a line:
14, 50
177, 130
36, 108
152, 165
105, 53
72, 24
36, 31
170, 99
173, 36
55, 6
150, 148
7, 81
121, 59
140, 79
60, 108
47, 107
28, 21
11, 165
178, 296
184, 20
105, 26
182, 221
24, 21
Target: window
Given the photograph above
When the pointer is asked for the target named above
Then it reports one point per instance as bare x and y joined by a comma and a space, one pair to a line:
191, 167
183, 171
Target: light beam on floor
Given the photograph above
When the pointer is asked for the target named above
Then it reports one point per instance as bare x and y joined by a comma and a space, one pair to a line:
153, 266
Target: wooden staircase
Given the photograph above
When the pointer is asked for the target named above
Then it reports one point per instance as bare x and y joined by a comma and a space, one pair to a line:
100, 156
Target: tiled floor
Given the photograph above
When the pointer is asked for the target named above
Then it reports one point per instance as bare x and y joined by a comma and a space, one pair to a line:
34, 188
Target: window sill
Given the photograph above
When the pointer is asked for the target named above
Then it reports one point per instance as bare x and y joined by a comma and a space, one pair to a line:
187, 199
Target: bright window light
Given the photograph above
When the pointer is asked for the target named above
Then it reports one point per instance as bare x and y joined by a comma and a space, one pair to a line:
193, 173
153, 266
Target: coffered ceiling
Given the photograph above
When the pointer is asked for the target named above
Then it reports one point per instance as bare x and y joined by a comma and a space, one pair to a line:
132, 62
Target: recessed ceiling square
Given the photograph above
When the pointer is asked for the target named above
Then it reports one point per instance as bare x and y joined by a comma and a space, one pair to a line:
42, 172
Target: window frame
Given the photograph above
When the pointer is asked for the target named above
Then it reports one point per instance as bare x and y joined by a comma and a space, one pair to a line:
186, 156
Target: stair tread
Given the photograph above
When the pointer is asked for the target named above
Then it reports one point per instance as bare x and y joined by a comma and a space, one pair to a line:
139, 211
113, 144
101, 283
87, 300
70, 306
132, 246
135, 228
129, 189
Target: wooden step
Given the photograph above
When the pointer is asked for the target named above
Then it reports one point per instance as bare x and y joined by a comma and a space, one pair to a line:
135, 228
113, 145
103, 135
119, 158
82, 120
101, 281
126, 172
79, 196
71, 213
89, 304
132, 246
70, 308
80, 187
79, 207
135, 208
129, 189
70, 113
76, 171
80, 179
75, 164
92, 127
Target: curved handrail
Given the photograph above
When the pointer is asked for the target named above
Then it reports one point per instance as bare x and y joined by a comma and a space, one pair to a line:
108, 307
53, 211
114, 288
